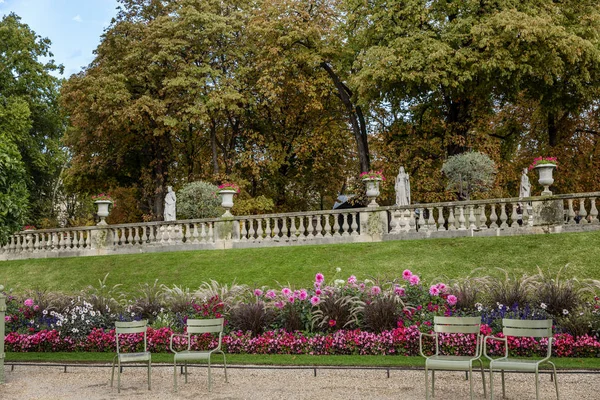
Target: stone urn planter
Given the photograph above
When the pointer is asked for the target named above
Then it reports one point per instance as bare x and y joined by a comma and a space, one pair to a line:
227, 201
545, 177
103, 210
372, 186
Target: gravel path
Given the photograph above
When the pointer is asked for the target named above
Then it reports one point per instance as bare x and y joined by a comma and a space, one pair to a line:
50, 382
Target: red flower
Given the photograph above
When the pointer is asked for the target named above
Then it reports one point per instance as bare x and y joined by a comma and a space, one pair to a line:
332, 322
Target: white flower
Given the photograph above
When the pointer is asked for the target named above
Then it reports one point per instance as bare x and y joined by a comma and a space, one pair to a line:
58, 323
543, 306
565, 312
338, 269
45, 312
339, 282
74, 330
479, 306
500, 306
93, 313
32, 322
87, 321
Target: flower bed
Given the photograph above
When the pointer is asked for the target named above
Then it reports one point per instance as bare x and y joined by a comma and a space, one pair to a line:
348, 316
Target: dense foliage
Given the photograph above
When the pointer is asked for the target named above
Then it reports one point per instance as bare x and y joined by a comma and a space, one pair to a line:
292, 99
198, 200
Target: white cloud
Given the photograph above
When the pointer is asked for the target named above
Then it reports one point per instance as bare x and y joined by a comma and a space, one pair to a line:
77, 18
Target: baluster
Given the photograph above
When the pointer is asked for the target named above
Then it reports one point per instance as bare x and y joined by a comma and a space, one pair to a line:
13, 244
276, 229
69, 239
421, 222
78, 239
88, 239
194, 235
59, 241
451, 220
244, 232
312, 229
319, 227
259, 229
200, 237
211, 234
513, 216
146, 234
267, 229
570, 213
412, 221
327, 226
285, 233
482, 217
345, 225
302, 229
251, 230
582, 212
354, 225
42, 242
34, 242
593, 211
493, 217
136, 237
336, 225
441, 221
431, 220
461, 219
115, 237
503, 216
472, 219
293, 230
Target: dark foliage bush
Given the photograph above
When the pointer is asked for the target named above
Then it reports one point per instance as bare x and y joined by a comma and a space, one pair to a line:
253, 317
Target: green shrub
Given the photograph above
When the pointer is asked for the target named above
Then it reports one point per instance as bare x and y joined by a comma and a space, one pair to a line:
468, 173
253, 206
198, 200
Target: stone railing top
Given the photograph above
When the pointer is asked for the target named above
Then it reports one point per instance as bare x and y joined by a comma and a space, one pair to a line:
326, 212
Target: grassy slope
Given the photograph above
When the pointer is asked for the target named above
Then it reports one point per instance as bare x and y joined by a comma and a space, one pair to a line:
297, 265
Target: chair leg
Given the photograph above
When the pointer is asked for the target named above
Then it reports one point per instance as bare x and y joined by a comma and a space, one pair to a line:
491, 383
175, 375
483, 379
555, 379
186, 372
225, 366
149, 374
537, 385
119, 376
471, 381
503, 386
209, 377
426, 383
112, 375
433, 383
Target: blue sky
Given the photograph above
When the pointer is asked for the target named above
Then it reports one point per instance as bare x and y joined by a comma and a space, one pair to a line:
73, 26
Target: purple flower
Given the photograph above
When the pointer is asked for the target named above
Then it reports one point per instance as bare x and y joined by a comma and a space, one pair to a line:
375, 290
319, 277
452, 300
279, 304
318, 292
442, 287
315, 300
352, 279
28, 302
258, 292
414, 280
291, 299
406, 274
303, 294
271, 294
399, 291
286, 292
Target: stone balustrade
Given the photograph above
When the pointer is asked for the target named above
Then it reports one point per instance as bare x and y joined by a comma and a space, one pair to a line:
492, 217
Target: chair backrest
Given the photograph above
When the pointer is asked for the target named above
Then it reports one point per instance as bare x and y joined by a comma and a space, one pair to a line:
199, 326
457, 324
131, 327
527, 328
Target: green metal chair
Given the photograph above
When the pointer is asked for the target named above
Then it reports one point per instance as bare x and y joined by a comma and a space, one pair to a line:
127, 328
437, 361
521, 328
198, 327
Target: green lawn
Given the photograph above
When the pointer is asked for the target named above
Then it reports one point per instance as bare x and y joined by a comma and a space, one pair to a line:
277, 359
298, 265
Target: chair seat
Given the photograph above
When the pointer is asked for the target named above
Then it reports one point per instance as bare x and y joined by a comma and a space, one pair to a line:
192, 355
515, 364
133, 357
450, 362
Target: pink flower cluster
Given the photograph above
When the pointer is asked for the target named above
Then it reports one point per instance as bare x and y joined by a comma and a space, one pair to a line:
542, 160
401, 341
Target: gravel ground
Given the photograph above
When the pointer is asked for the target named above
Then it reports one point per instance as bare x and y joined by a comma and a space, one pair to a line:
50, 382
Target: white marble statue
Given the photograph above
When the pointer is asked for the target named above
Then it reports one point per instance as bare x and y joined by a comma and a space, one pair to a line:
170, 213
402, 187
525, 189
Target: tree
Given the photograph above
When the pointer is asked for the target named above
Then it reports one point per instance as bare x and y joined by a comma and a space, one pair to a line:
198, 200
28, 98
468, 173
13, 191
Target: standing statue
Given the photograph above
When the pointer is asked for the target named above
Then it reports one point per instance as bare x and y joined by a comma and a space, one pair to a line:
170, 213
525, 189
402, 187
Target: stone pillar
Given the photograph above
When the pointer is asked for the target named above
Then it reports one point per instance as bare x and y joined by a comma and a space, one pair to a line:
548, 212
226, 231
372, 225
102, 239
2, 325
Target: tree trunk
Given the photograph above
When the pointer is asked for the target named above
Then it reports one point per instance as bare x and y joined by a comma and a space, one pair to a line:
213, 146
458, 125
357, 120
552, 130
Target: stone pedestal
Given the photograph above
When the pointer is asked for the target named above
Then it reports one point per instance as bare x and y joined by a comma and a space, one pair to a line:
548, 212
